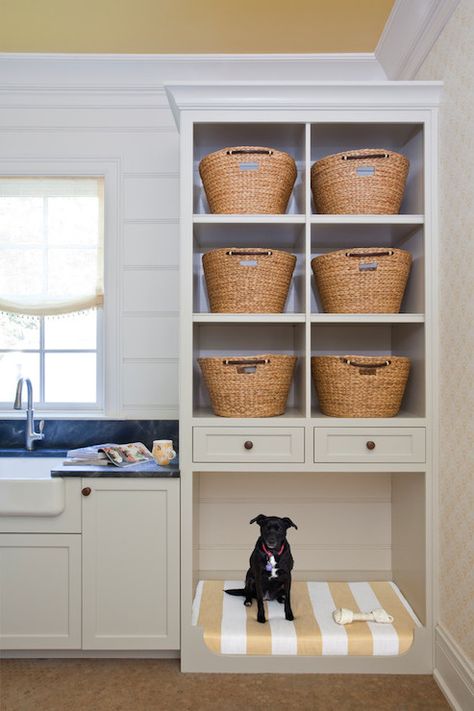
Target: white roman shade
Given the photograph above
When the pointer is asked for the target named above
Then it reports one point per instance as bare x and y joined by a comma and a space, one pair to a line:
51, 244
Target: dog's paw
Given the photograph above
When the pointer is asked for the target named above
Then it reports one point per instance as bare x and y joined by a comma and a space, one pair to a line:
289, 616
261, 618
248, 603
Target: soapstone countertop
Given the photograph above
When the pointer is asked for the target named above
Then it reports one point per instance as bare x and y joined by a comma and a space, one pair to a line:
136, 471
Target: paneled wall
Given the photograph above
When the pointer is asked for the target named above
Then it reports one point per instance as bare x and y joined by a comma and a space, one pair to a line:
67, 114
80, 131
325, 507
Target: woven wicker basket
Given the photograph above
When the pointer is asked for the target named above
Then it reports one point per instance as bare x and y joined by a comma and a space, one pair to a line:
369, 181
360, 386
367, 280
248, 386
248, 179
248, 280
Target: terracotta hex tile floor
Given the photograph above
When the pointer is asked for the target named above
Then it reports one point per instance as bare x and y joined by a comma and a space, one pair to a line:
158, 685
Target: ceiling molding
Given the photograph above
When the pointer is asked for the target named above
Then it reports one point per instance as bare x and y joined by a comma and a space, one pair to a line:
411, 30
145, 72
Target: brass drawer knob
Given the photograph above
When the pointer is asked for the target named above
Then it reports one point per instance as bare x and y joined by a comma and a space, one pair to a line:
370, 445
86, 491
248, 444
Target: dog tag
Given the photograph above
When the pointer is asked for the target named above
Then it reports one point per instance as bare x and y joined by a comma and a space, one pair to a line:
364, 170
249, 166
268, 567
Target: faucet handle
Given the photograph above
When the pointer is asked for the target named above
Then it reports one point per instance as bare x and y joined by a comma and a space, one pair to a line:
41, 426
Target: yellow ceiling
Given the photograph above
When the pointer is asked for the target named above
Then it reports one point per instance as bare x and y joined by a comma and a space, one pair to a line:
192, 26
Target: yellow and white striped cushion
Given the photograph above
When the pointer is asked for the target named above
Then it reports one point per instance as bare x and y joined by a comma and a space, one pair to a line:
231, 628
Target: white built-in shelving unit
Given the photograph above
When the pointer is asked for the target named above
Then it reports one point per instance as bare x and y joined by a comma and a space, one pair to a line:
310, 121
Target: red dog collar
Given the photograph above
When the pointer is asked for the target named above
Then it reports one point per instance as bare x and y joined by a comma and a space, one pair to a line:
270, 553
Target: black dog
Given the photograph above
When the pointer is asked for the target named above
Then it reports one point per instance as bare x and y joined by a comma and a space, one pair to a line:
271, 563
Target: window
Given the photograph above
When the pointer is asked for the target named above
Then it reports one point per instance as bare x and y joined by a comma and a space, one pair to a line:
51, 289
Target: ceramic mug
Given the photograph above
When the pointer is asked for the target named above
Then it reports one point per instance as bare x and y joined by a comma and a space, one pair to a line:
163, 451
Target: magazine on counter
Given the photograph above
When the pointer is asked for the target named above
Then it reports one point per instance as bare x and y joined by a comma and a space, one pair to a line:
120, 455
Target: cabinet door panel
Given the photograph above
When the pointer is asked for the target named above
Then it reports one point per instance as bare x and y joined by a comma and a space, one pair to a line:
40, 591
131, 564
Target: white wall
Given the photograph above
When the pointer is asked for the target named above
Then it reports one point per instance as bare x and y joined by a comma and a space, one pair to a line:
97, 114
135, 142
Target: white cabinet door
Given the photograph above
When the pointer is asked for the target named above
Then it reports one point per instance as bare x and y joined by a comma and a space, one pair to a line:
131, 564
40, 591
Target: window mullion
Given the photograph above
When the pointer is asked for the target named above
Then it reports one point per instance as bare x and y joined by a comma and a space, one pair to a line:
42, 364
45, 288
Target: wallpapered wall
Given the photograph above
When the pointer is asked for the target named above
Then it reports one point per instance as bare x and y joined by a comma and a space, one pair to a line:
452, 60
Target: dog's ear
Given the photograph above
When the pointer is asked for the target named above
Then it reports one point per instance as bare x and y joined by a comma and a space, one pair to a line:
289, 523
259, 519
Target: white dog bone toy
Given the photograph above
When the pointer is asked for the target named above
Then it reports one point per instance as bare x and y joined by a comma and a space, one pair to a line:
344, 617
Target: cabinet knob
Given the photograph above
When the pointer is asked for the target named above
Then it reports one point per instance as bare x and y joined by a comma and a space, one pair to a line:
248, 444
86, 491
370, 445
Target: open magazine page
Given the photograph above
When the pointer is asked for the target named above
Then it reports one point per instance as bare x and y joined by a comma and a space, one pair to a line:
120, 455
124, 455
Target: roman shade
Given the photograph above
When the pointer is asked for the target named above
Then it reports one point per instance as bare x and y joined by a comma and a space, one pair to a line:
51, 244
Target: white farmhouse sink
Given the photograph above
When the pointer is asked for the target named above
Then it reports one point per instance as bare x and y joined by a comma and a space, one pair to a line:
27, 489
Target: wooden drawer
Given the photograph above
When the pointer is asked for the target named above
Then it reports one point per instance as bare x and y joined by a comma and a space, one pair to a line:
256, 444
369, 444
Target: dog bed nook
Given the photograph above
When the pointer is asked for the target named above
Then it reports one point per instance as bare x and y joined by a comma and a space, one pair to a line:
231, 628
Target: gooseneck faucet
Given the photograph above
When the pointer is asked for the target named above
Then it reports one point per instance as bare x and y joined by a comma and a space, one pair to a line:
30, 433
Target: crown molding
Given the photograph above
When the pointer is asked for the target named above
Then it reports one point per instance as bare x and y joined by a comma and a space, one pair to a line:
411, 30
235, 96
144, 73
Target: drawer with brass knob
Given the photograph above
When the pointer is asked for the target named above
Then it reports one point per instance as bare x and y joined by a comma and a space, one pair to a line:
253, 444
372, 444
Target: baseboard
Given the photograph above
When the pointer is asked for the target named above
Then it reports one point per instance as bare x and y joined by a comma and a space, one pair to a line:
453, 672
87, 654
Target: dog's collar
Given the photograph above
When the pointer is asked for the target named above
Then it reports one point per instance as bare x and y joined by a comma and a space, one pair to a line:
271, 553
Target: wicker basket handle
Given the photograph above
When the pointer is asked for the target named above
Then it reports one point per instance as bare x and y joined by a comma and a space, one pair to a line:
366, 365
250, 151
355, 253
246, 252
366, 156
254, 361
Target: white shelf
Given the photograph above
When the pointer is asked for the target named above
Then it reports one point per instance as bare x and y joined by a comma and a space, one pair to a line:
290, 219
367, 219
301, 318
212, 219
404, 418
310, 122
205, 417
248, 318
367, 318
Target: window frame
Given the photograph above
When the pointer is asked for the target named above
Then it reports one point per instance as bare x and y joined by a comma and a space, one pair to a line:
108, 384
71, 406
